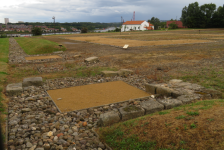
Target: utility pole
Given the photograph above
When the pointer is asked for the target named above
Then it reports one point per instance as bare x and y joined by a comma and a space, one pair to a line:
121, 24
54, 23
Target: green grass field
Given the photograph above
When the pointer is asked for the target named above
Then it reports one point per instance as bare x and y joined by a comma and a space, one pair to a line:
37, 45
4, 51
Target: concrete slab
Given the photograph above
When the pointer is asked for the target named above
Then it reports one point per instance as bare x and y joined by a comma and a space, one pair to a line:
109, 118
130, 112
151, 106
170, 103
14, 89
34, 81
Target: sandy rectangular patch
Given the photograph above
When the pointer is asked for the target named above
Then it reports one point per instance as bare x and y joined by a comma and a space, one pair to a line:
133, 43
42, 57
81, 97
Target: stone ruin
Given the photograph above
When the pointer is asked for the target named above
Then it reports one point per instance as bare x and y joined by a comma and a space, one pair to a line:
34, 121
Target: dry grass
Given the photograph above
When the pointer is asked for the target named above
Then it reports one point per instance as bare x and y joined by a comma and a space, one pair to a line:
173, 129
134, 43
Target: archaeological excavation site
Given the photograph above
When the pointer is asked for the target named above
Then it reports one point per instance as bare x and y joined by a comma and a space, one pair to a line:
72, 98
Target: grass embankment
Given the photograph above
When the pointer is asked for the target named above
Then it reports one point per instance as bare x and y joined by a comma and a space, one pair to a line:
4, 51
198, 125
37, 45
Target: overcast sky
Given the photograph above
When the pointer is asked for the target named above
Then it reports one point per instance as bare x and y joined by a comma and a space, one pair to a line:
93, 10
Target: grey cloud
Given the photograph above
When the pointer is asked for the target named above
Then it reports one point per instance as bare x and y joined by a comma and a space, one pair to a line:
96, 10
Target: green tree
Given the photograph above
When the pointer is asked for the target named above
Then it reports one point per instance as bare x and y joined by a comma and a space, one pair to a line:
84, 30
155, 22
194, 16
36, 31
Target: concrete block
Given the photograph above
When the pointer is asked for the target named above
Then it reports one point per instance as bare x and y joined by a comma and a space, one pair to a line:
109, 73
35, 81
109, 118
151, 106
14, 89
170, 103
130, 112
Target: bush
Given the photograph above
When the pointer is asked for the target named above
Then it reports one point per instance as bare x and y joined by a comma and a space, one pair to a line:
173, 26
117, 30
84, 30
36, 31
3, 36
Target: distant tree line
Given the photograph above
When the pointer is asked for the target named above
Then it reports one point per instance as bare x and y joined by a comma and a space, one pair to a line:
204, 16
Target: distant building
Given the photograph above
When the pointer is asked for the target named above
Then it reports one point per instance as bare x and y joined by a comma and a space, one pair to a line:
136, 25
20, 21
179, 24
6, 21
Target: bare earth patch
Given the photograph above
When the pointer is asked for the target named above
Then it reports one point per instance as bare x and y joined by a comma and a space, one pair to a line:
133, 43
80, 97
42, 57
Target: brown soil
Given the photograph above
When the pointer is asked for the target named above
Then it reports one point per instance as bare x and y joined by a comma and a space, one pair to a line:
133, 43
42, 57
80, 97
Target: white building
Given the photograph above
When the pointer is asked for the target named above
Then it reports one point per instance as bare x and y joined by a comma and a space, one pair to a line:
136, 25
6, 21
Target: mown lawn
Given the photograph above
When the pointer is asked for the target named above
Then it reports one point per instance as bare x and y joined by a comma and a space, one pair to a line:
4, 51
198, 126
37, 45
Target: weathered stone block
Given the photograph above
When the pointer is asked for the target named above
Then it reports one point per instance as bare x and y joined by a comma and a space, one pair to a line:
175, 81
186, 99
151, 106
109, 73
109, 118
35, 81
76, 56
14, 89
58, 52
151, 88
164, 91
92, 60
130, 112
125, 72
214, 93
170, 103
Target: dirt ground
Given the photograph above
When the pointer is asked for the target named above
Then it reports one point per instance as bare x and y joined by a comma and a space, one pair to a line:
80, 97
42, 57
159, 62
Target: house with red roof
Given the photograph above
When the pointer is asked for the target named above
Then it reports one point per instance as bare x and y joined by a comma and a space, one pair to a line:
136, 25
179, 24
